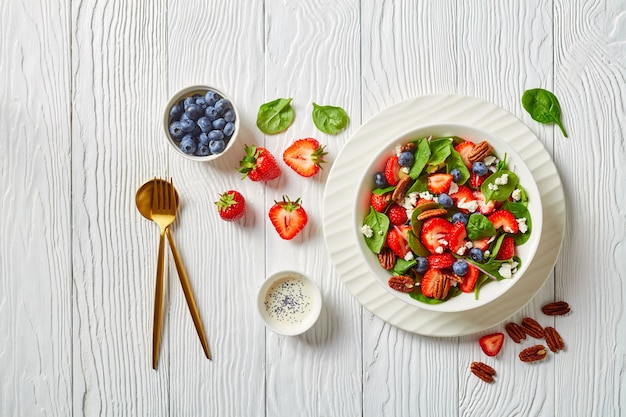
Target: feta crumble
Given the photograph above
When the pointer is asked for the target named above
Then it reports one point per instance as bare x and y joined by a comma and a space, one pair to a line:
439, 249
367, 231
426, 195
502, 179
461, 251
405, 170
516, 195
505, 270
454, 188
521, 222
470, 206
409, 256
492, 186
489, 160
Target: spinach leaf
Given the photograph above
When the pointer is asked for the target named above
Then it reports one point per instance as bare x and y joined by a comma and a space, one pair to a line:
439, 151
543, 107
422, 155
499, 192
330, 119
416, 294
381, 191
379, 223
520, 210
479, 227
455, 161
482, 279
275, 116
402, 266
492, 267
416, 245
420, 185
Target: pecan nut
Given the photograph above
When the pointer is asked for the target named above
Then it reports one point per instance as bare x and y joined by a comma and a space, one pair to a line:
480, 151
553, 339
515, 332
557, 308
409, 147
402, 283
483, 371
532, 328
387, 258
442, 286
427, 214
533, 353
400, 192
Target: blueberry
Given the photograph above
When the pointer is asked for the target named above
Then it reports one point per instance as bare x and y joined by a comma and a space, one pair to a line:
460, 267
222, 105
219, 124
229, 129
217, 146
445, 200
459, 217
211, 98
203, 149
188, 102
205, 124
406, 159
216, 135
188, 145
203, 138
422, 264
176, 111
229, 115
176, 130
456, 175
380, 180
187, 125
194, 111
201, 101
476, 255
211, 113
479, 168
185, 116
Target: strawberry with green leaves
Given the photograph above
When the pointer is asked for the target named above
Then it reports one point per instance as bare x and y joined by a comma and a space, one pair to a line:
231, 206
305, 156
258, 164
288, 217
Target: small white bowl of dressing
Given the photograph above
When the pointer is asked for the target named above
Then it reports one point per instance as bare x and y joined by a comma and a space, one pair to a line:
289, 303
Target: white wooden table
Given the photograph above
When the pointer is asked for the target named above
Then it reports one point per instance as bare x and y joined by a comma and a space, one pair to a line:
83, 85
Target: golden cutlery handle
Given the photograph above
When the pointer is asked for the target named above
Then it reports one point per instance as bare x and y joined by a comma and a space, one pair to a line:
158, 304
191, 302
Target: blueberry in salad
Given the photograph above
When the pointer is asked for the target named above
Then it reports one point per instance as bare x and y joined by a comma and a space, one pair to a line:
465, 215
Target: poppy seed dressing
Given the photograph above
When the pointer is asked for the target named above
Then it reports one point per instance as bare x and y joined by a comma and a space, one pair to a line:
288, 300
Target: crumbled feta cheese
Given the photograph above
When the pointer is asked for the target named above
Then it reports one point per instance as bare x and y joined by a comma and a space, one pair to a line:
454, 188
491, 239
461, 251
426, 195
492, 186
409, 256
521, 222
398, 150
516, 195
487, 252
439, 249
489, 160
505, 270
469, 244
493, 168
502, 179
470, 206
443, 242
508, 229
367, 231
514, 264
453, 283
405, 170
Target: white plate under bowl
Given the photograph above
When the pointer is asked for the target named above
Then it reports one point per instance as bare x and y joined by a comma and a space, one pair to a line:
526, 252
350, 167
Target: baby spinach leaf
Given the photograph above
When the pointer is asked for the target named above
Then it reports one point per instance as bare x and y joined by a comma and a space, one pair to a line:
543, 106
381, 191
420, 185
479, 227
422, 155
330, 119
520, 210
379, 223
482, 279
416, 245
416, 294
455, 161
402, 266
275, 116
439, 151
499, 192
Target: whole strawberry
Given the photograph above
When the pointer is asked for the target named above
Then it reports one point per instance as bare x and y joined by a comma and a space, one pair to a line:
288, 217
305, 156
258, 164
231, 206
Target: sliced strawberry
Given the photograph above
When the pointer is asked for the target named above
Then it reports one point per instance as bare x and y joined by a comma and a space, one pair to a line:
397, 241
422, 201
464, 194
305, 156
428, 282
507, 248
481, 244
505, 220
484, 207
441, 261
457, 238
288, 217
469, 280
380, 201
491, 343
439, 183
465, 148
392, 170
475, 181
434, 230
397, 214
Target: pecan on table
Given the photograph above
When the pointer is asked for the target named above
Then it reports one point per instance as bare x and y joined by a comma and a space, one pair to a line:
483, 371
515, 332
532, 328
402, 283
557, 308
533, 353
553, 339
387, 258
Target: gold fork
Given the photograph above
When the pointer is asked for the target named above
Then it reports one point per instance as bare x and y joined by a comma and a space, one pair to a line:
163, 214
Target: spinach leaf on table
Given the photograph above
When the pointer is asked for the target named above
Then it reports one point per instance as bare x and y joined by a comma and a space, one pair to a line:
275, 116
543, 106
330, 119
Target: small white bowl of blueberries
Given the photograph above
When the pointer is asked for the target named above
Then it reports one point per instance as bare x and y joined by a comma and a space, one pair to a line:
201, 122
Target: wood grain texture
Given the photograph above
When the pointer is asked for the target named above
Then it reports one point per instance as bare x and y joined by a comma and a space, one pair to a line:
35, 249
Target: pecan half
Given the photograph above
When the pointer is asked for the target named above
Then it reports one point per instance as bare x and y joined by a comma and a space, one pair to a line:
442, 286
533, 353
553, 339
427, 214
402, 283
515, 332
532, 328
409, 147
387, 258
483, 371
480, 151
557, 308
400, 192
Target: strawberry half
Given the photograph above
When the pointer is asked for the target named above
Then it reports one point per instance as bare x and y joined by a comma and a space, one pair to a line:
457, 238
491, 343
507, 249
428, 282
305, 156
434, 230
469, 280
484, 207
464, 149
439, 183
380, 201
392, 170
258, 164
505, 220
397, 240
231, 206
481, 244
441, 261
397, 214
288, 217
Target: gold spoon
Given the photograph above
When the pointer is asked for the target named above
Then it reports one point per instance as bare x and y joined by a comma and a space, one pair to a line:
143, 200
